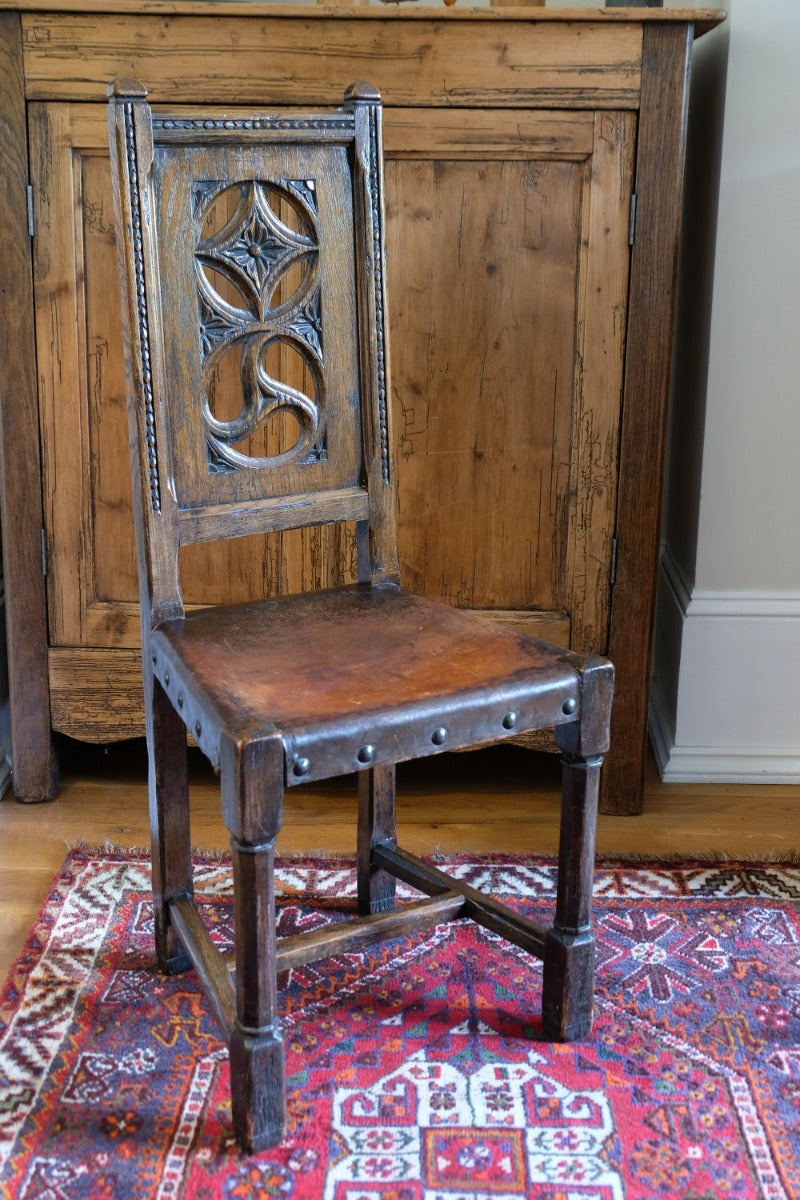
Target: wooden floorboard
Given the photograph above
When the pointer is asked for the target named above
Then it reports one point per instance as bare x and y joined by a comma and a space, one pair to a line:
497, 801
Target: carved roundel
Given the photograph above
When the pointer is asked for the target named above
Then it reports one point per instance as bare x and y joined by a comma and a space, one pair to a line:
256, 260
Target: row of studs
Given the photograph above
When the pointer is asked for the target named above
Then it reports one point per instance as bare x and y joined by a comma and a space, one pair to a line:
366, 753
179, 699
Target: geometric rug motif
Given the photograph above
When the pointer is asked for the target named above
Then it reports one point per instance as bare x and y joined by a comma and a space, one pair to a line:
416, 1069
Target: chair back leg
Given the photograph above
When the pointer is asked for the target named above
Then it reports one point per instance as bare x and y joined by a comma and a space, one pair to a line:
169, 824
376, 823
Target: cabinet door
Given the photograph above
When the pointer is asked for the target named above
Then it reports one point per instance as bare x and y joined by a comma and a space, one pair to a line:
508, 259
508, 264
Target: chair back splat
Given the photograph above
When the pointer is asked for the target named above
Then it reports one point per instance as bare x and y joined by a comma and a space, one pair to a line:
251, 254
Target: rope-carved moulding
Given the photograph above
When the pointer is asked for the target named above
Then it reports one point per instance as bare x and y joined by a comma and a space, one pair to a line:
219, 125
259, 300
377, 275
146, 385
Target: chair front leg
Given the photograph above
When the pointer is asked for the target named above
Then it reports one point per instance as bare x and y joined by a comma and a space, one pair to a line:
376, 823
568, 975
568, 980
170, 832
257, 1057
252, 806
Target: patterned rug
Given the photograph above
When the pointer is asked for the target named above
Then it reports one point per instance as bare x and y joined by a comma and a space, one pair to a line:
417, 1070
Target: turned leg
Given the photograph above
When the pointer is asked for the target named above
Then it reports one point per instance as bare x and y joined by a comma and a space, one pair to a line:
252, 803
376, 823
257, 1058
169, 825
568, 983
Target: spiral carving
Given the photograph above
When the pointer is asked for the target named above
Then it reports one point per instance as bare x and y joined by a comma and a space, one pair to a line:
249, 259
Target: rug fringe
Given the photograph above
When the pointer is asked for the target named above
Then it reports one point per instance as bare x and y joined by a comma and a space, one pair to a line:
676, 858
604, 859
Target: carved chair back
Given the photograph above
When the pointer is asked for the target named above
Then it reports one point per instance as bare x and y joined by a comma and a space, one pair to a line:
254, 314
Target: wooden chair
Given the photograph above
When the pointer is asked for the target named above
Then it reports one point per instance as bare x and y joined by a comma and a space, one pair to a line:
304, 687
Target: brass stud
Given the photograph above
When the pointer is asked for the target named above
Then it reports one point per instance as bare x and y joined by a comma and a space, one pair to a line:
302, 766
510, 720
166, 679
198, 729
569, 706
366, 754
180, 699
439, 736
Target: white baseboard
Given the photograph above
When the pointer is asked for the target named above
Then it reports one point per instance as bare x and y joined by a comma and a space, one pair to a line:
730, 602
753, 764
717, 764
659, 727
729, 709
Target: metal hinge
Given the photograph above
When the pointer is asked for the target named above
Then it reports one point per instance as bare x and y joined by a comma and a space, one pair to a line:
613, 561
632, 221
44, 553
30, 210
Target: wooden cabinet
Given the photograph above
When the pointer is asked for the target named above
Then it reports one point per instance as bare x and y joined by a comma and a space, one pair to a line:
530, 328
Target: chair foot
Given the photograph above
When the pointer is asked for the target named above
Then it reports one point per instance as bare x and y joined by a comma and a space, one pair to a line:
258, 1089
568, 985
171, 957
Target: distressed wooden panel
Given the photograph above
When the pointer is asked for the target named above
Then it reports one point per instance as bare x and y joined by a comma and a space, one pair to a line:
96, 694
549, 626
702, 18
508, 283
479, 271
601, 321
654, 264
410, 133
506, 378
35, 767
484, 60
64, 360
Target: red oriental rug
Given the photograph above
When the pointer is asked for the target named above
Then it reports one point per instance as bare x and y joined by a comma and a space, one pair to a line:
417, 1070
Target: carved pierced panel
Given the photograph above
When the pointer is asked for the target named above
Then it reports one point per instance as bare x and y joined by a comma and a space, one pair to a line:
258, 316
260, 321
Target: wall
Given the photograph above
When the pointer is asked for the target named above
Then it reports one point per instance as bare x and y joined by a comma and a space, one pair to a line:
726, 699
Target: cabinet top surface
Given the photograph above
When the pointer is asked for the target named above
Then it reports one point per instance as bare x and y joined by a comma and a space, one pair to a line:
702, 18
